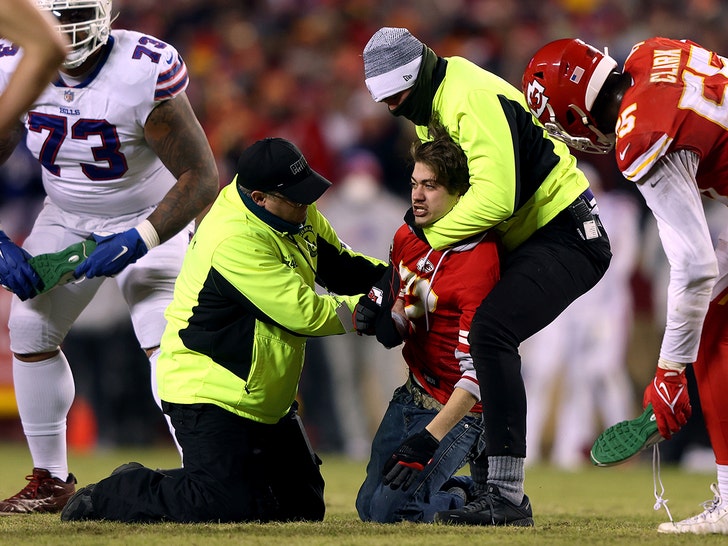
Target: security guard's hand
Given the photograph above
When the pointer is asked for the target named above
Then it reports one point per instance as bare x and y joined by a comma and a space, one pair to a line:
377, 303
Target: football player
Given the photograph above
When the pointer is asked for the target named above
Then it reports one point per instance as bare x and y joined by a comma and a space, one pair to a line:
664, 115
126, 163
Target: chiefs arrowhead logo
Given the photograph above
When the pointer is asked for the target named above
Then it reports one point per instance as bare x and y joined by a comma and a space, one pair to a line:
536, 98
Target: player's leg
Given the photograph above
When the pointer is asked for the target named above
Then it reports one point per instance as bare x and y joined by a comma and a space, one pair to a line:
711, 374
43, 382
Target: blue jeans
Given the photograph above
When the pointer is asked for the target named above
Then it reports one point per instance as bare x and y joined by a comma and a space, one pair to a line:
380, 503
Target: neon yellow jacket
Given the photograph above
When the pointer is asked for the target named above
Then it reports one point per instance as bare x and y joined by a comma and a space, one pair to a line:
520, 178
244, 304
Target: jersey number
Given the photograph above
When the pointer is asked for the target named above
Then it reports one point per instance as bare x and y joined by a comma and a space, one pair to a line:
57, 128
109, 150
693, 97
423, 294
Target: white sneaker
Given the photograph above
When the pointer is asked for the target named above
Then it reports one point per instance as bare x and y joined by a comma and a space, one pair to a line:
714, 520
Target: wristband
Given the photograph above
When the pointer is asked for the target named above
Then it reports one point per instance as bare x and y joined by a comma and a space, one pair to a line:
148, 234
670, 365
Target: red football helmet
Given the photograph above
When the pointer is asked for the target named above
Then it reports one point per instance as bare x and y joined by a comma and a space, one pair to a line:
561, 83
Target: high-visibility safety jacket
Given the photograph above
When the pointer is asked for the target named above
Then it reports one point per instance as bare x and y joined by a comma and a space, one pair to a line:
245, 303
520, 177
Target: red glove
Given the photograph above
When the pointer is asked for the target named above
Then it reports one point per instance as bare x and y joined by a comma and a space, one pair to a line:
668, 393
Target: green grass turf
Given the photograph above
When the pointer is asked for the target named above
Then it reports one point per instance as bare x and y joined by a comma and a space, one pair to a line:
602, 506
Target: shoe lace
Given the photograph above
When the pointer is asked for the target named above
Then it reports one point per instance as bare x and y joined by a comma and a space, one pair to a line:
660, 501
30, 491
711, 505
480, 504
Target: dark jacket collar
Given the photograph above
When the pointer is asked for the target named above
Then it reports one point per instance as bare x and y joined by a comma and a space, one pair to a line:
275, 222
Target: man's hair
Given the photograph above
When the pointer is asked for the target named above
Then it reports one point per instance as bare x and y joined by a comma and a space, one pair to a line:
446, 159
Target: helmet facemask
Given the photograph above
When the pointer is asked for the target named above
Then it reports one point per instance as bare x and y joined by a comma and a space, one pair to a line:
598, 143
85, 23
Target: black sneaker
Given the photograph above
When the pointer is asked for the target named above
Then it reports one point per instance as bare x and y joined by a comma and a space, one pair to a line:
79, 507
126, 467
490, 508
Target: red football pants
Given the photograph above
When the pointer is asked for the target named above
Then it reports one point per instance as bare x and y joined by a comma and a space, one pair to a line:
711, 373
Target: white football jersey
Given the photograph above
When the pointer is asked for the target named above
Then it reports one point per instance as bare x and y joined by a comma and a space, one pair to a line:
89, 137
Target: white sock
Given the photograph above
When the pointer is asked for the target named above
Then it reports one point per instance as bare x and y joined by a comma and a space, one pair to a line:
723, 484
44, 392
153, 362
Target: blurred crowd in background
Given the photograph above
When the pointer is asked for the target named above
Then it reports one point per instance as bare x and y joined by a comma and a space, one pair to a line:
293, 69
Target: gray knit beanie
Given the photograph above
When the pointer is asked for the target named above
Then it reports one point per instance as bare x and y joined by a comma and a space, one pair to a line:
392, 59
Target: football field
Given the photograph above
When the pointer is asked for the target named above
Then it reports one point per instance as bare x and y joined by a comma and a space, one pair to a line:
594, 506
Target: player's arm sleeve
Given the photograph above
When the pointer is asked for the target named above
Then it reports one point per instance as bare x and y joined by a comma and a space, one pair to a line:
671, 193
488, 142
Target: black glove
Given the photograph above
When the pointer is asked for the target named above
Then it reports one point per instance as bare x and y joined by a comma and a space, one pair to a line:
409, 460
387, 333
377, 303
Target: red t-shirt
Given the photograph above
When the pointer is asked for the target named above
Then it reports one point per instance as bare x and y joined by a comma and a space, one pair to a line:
453, 282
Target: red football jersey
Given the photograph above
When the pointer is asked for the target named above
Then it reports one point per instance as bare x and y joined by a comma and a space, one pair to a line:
677, 101
441, 290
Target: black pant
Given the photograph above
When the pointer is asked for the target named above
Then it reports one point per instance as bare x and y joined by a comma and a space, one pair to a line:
539, 279
234, 469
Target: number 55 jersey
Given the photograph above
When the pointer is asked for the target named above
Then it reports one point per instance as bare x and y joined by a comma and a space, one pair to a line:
88, 133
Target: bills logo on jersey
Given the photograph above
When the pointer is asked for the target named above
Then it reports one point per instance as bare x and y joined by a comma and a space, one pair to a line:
537, 101
69, 95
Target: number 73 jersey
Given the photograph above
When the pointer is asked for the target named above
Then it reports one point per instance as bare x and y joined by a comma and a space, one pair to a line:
677, 101
89, 135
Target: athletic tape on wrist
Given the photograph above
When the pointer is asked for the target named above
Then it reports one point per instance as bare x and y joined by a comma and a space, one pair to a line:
670, 365
148, 234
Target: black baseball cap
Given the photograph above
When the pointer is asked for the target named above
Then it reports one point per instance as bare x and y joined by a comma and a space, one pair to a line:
277, 165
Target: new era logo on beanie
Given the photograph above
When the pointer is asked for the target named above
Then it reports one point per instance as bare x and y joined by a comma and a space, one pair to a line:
277, 165
392, 59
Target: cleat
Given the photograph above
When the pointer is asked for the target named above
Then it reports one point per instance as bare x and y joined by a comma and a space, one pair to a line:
79, 506
57, 268
43, 494
490, 509
712, 521
626, 439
